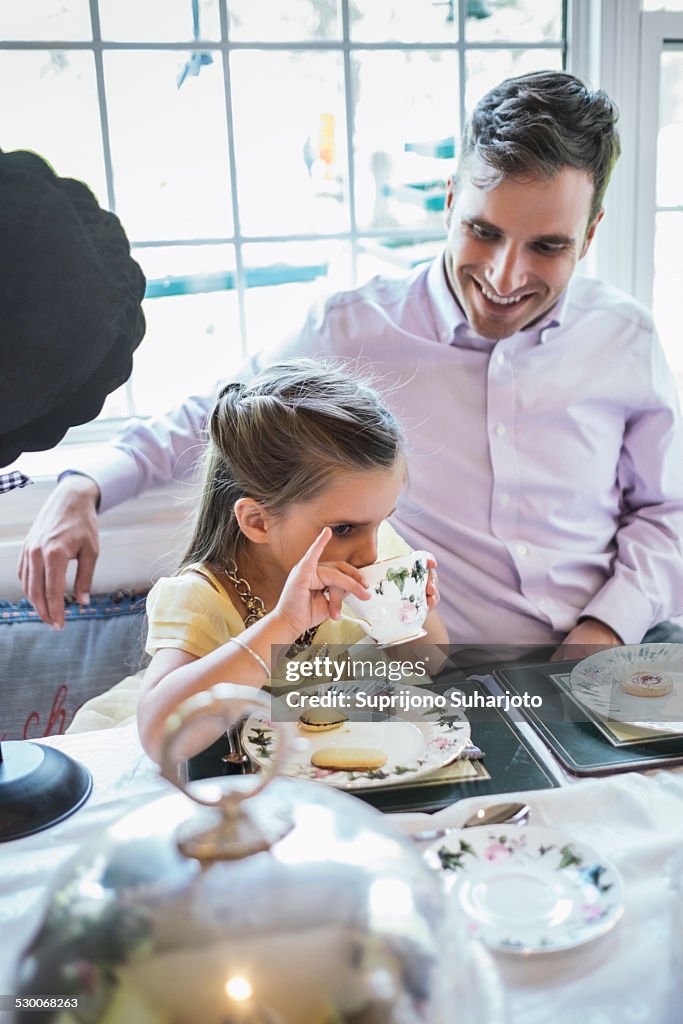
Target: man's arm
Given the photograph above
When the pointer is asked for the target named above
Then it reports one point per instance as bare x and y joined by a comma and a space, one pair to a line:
646, 585
143, 455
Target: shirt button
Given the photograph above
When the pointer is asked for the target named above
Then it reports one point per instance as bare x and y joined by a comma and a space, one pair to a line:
445, 335
505, 499
522, 550
500, 429
543, 602
500, 359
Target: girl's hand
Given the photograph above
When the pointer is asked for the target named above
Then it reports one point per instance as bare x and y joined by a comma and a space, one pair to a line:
433, 596
314, 590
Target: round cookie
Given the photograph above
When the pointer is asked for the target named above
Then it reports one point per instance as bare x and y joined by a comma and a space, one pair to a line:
349, 759
646, 684
321, 719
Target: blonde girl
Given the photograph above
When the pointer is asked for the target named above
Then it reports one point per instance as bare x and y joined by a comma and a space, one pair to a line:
304, 465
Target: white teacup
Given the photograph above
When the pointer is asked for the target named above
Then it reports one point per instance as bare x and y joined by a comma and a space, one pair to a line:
397, 607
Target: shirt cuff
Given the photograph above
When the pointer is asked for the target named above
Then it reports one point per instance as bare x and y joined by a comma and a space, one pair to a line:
113, 470
623, 608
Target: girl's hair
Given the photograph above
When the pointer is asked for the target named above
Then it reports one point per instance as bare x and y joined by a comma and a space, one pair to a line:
279, 439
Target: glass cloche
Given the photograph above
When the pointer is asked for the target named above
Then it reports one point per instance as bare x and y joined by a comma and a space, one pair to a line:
272, 902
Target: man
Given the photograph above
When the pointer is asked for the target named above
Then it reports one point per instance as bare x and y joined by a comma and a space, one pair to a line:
546, 467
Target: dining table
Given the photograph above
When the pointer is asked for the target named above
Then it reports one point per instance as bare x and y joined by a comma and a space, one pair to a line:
633, 973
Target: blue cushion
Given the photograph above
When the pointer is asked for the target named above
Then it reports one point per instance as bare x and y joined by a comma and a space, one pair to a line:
47, 674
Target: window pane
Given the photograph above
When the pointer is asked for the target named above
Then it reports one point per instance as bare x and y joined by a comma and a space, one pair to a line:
668, 285
58, 115
528, 21
273, 20
393, 257
45, 19
663, 5
407, 99
290, 142
157, 20
670, 138
403, 20
192, 340
169, 146
278, 311
486, 68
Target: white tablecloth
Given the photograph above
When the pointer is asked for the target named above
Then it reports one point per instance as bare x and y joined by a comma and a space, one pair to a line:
634, 974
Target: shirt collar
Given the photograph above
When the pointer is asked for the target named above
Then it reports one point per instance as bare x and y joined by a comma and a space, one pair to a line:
451, 322
447, 312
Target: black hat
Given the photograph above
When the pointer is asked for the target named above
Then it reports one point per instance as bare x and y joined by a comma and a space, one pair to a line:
70, 305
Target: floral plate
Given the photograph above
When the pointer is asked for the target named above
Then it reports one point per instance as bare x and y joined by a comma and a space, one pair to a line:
529, 890
415, 742
594, 682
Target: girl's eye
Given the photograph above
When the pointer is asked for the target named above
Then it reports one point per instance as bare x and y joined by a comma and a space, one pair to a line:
342, 530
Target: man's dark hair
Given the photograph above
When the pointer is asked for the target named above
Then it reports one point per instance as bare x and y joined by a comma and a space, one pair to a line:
537, 124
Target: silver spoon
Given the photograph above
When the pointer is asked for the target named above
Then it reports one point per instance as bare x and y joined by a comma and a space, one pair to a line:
236, 757
496, 814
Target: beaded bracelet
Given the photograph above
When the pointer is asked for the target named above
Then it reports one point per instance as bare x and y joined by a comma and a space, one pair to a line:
255, 656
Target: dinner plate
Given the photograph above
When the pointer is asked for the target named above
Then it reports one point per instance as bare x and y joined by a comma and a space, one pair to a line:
594, 682
529, 890
416, 742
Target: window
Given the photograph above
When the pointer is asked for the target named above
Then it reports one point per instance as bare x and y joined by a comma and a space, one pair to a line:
660, 213
257, 153
641, 66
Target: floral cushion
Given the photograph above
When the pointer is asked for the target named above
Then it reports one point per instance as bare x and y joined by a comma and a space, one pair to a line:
46, 674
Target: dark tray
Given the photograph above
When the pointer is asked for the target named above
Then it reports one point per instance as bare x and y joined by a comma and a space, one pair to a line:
580, 746
510, 761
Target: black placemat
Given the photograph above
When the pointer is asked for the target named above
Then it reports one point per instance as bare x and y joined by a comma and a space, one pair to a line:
579, 745
510, 762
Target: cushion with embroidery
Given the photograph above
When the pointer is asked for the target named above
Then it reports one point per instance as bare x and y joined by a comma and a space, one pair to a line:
46, 675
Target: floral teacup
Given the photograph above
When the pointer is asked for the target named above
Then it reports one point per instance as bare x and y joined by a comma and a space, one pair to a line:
397, 607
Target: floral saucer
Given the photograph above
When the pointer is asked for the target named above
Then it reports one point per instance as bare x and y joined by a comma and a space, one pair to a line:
529, 890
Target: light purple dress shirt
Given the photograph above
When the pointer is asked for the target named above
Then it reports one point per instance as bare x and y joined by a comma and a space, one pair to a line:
546, 469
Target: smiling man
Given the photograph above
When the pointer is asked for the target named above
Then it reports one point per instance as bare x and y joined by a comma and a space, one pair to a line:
546, 450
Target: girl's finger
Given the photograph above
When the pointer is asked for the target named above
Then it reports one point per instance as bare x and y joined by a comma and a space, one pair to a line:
331, 577
335, 596
316, 549
348, 570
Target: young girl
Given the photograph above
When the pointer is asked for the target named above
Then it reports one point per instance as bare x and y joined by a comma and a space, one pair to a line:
304, 465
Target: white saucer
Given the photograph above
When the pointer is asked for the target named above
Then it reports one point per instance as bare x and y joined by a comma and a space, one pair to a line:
529, 890
595, 683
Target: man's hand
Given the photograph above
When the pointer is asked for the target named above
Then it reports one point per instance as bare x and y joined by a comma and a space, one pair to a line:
65, 528
589, 636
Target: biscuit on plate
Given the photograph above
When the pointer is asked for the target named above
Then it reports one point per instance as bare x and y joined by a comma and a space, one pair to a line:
646, 684
349, 759
321, 719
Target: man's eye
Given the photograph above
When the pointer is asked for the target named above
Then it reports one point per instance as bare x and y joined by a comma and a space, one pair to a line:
482, 233
342, 530
548, 248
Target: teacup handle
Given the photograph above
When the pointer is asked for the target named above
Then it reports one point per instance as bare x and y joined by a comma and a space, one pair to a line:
357, 619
